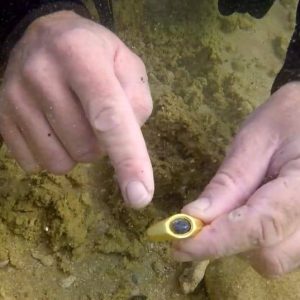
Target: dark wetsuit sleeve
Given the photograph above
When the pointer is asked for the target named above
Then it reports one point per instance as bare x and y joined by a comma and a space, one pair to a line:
16, 15
256, 8
290, 70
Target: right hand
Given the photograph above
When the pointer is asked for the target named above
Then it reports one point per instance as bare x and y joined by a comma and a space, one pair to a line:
252, 205
72, 89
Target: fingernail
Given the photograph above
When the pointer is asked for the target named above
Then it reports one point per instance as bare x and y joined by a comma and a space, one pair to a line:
137, 195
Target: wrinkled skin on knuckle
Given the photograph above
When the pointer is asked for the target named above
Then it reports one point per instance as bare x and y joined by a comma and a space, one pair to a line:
51, 24
32, 66
64, 44
224, 179
268, 229
131, 164
77, 42
104, 118
286, 160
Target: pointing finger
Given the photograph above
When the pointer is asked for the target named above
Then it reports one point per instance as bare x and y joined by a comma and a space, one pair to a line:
115, 125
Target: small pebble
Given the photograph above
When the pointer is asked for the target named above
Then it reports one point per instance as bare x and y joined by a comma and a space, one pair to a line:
192, 276
67, 282
46, 260
135, 279
4, 263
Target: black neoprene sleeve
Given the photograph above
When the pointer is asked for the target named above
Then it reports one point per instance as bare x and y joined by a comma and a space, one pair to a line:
290, 70
16, 15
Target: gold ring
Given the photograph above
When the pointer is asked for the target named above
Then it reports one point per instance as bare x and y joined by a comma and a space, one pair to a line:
179, 226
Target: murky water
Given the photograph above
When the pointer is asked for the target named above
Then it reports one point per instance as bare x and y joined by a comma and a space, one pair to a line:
70, 237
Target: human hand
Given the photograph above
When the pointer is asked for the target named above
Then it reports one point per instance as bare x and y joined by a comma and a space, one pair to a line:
71, 91
252, 204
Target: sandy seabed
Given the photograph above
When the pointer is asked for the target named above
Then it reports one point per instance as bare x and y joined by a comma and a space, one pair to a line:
70, 237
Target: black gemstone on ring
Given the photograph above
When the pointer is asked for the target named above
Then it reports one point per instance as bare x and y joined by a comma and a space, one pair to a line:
181, 226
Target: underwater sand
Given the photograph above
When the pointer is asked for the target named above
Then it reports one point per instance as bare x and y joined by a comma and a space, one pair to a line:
70, 237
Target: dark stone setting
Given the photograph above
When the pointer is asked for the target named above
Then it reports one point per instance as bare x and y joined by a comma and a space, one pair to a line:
181, 226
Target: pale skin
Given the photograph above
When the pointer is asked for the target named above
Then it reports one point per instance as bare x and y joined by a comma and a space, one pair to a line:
72, 91
252, 204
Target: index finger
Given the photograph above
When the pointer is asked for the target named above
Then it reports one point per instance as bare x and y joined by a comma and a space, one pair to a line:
112, 118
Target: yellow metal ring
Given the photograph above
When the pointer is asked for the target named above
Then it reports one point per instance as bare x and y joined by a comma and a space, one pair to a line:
164, 230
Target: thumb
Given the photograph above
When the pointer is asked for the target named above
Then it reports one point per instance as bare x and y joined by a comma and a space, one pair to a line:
241, 173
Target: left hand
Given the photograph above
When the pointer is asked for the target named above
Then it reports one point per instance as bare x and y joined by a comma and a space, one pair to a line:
252, 204
73, 90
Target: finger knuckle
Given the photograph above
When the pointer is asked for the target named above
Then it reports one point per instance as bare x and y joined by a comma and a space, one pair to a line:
31, 68
224, 179
269, 229
63, 42
128, 163
38, 26
67, 43
105, 118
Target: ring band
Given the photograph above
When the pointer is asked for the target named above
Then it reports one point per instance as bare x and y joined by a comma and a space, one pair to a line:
179, 226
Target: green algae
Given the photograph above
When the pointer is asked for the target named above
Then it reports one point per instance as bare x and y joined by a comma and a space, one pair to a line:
37, 207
